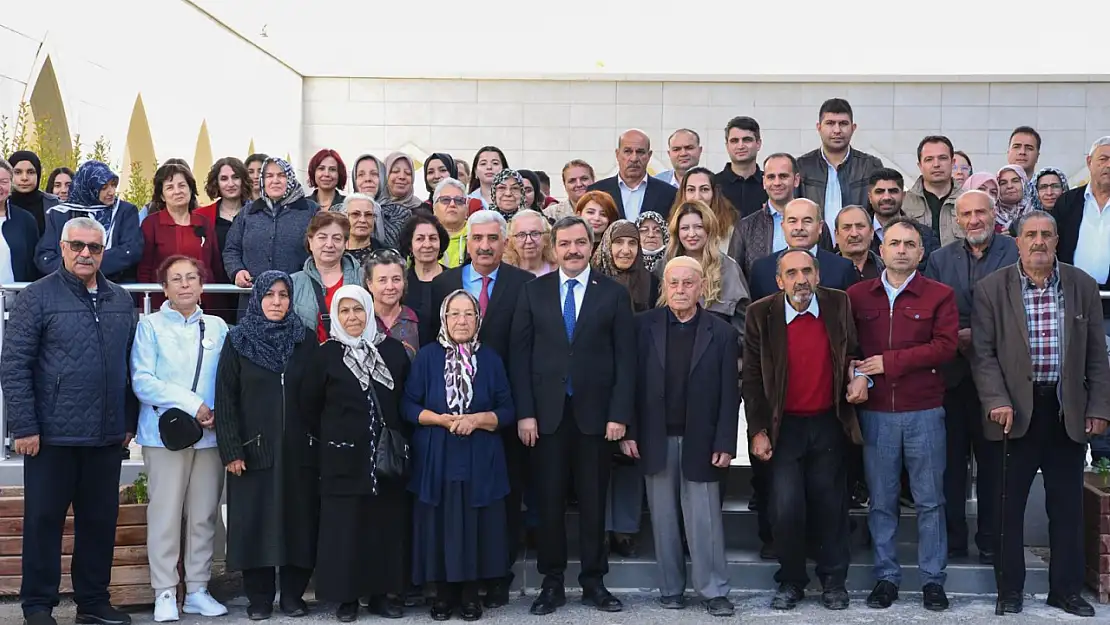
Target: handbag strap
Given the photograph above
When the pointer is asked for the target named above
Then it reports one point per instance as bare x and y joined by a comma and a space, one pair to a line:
322, 306
200, 360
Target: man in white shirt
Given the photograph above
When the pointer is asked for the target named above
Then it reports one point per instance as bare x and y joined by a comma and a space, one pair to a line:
632, 189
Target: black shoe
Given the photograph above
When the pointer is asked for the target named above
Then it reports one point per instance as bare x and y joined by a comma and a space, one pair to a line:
767, 552
986, 557
1011, 601
624, 545
883, 596
954, 554
383, 607
39, 618
933, 598
347, 612
860, 496
601, 599
549, 600
293, 608
497, 594
260, 611
673, 602
787, 597
835, 598
753, 505
720, 606
1072, 604
102, 615
470, 611
441, 610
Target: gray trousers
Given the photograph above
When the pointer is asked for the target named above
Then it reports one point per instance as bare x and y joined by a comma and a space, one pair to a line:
625, 504
699, 503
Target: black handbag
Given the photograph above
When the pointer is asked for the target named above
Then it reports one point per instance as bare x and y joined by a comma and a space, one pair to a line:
179, 429
391, 457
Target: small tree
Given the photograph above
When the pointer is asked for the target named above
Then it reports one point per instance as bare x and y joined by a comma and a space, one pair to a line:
140, 188
35, 135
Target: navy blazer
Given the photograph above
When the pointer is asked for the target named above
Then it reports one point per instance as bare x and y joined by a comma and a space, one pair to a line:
121, 261
426, 390
21, 233
836, 272
658, 196
712, 400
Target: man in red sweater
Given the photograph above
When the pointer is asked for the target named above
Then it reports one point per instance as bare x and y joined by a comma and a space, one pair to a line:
799, 391
907, 326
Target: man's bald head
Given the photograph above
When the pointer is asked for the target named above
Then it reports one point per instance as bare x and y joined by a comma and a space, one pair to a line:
634, 135
801, 223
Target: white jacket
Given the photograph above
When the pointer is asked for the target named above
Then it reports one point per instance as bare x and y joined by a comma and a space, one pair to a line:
163, 363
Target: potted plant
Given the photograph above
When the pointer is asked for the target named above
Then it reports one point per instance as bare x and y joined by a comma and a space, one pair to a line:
1096, 528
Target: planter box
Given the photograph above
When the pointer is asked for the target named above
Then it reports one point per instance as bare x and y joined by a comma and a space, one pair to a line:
1096, 534
130, 583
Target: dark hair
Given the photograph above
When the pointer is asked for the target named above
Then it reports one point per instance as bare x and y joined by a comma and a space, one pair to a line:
935, 139
408, 231
570, 222
212, 184
743, 123
911, 223
164, 268
54, 174
322, 220
835, 106
537, 203
885, 173
1035, 214
1027, 130
791, 250
318, 158
544, 178
722, 208
474, 182
256, 158
789, 157
166, 173
966, 158
178, 161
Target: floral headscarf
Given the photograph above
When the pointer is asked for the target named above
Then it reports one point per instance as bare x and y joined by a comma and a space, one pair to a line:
462, 361
636, 279
361, 352
1006, 214
293, 189
502, 176
1035, 203
652, 257
268, 344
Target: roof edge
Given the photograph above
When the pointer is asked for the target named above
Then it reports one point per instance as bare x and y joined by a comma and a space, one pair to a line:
239, 35
765, 78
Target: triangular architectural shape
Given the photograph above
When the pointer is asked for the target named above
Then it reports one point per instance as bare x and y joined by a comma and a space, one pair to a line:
202, 161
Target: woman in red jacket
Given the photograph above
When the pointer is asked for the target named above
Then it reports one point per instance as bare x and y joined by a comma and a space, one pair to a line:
230, 184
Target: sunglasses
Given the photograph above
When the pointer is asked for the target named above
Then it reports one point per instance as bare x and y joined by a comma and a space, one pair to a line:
385, 253
79, 246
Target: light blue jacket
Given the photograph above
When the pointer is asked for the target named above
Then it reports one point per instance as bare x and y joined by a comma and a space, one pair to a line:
307, 282
163, 363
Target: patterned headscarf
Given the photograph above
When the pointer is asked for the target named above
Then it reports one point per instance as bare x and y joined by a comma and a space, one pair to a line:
293, 189
84, 196
1006, 214
636, 279
1035, 203
652, 257
268, 344
360, 352
409, 201
502, 176
462, 361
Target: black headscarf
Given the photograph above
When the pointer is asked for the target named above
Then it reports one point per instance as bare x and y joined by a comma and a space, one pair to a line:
268, 344
31, 202
448, 162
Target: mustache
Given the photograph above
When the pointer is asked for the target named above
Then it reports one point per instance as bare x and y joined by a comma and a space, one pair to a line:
484, 252
855, 239
81, 260
1038, 248
573, 256
803, 287
799, 233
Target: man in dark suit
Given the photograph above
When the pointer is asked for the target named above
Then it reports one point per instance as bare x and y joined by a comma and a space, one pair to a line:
632, 189
574, 380
801, 223
687, 409
1044, 381
496, 286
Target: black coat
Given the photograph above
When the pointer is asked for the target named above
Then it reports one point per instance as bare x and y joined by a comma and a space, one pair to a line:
836, 272
658, 196
1068, 212
499, 315
336, 415
601, 356
712, 403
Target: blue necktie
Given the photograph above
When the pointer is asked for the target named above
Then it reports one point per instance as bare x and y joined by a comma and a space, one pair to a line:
568, 321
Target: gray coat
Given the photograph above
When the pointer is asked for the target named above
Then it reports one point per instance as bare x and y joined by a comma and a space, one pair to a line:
260, 240
307, 283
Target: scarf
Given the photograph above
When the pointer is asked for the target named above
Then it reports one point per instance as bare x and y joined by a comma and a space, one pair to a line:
409, 201
509, 175
32, 201
293, 189
636, 279
380, 196
974, 181
652, 257
1035, 203
391, 219
1005, 214
360, 353
84, 196
268, 344
448, 163
461, 362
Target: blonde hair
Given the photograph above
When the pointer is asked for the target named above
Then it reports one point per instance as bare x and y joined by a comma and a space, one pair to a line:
547, 252
710, 253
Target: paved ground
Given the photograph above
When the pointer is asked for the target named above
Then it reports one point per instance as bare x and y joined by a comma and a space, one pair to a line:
641, 610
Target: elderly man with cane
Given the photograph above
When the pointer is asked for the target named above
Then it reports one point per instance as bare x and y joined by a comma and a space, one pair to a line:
1044, 381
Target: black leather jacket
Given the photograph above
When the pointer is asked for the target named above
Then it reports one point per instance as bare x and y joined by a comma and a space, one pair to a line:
853, 174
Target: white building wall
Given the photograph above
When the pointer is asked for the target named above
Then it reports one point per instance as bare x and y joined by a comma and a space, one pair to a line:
541, 124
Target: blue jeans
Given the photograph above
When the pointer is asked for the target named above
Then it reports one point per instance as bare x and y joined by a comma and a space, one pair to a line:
918, 439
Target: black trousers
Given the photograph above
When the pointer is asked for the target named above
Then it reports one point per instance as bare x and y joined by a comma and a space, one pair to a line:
761, 493
556, 459
1045, 446
809, 481
258, 584
963, 425
516, 460
88, 479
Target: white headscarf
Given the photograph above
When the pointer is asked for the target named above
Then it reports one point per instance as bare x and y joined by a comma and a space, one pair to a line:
361, 354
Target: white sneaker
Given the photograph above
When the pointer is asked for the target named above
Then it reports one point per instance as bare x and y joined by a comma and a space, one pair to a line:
202, 603
165, 607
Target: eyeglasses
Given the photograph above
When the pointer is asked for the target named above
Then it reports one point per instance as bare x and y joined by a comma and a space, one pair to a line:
523, 236
79, 246
177, 280
962, 168
385, 253
457, 200
1055, 186
357, 215
455, 315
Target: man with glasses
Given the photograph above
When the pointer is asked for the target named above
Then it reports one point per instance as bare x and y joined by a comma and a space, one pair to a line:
65, 378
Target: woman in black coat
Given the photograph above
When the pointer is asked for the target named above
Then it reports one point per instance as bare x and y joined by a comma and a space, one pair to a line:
272, 489
351, 400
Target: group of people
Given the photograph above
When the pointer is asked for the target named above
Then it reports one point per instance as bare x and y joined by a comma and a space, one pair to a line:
410, 384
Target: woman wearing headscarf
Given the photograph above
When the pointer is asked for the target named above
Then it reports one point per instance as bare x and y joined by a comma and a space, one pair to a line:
982, 182
1048, 185
1013, 201
269, 233
507, 195
93, 195
26, 176
368, 177
398, 201
272, 485
351, 399
440, 166
458, 396
654, 238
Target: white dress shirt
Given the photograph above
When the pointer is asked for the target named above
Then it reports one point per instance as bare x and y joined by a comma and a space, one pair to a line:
579, 291
632, 197
812, 309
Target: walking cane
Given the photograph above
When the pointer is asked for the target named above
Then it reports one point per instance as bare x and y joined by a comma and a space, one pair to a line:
998, 610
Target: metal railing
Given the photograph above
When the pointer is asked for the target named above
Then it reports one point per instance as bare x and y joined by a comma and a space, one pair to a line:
146, 289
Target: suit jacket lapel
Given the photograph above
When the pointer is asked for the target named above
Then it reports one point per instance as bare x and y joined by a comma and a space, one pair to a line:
498, 288
702, 340
555, 304
648, 203
1017, 304
589, 302
776, 330
830, 314
615, 192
